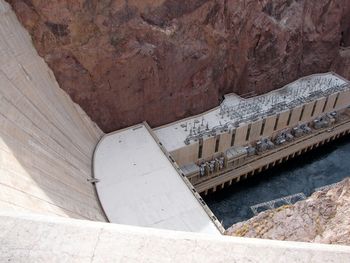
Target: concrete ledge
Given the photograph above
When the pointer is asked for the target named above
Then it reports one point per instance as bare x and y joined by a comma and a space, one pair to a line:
37, 238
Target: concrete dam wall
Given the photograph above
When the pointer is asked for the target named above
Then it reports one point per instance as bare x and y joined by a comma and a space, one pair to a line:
46, 141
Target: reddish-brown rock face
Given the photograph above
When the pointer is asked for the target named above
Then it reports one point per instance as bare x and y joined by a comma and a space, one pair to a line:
322, 218
162, 60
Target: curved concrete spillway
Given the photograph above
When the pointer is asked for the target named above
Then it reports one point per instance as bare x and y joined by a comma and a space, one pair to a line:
46, 141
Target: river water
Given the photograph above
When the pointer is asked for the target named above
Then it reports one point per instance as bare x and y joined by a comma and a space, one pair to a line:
320, 167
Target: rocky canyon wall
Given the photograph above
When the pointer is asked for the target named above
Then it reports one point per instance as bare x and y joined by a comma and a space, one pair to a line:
322, 218
161, 60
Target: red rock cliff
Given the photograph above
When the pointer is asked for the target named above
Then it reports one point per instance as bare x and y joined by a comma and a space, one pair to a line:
162, 60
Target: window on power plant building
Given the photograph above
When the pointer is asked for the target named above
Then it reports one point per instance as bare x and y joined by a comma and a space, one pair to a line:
200, 149
302, 113
233, 137
217, 142
262, 127
277, 119
248, 132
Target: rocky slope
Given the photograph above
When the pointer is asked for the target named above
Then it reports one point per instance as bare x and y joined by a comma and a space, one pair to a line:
324, 218
161, 60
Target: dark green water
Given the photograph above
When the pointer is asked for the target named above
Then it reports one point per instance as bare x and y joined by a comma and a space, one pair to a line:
323, 166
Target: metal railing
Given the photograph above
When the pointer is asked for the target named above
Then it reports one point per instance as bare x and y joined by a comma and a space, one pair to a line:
286, 200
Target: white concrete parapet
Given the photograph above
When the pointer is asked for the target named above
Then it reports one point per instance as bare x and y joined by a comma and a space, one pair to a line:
32, 238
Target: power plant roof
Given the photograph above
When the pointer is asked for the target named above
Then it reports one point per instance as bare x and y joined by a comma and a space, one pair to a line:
235, 110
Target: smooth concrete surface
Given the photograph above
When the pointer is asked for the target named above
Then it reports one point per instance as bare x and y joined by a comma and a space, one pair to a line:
225, 141
343, 100
46, 141
241, 134
30, 238
208, 147
283, 120
295, 118
319, 106
269, 125
308, 111
139, 186
330, 102
186, 155
255, 130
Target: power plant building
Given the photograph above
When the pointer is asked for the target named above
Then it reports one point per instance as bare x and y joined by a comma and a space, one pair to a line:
238, 128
